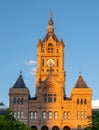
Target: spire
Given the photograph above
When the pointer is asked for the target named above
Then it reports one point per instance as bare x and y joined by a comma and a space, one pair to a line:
20, 82
50, 24
50, 31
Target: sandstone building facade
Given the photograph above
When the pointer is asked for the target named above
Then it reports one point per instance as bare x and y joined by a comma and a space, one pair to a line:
50, 109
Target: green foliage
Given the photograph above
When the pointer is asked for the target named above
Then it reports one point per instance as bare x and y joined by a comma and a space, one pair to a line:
1, 104
95, 122
8, 122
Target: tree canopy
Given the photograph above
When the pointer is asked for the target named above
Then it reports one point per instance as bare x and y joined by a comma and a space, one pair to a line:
95, 122
8, 122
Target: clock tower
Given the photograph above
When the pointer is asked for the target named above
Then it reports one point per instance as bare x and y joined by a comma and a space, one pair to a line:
50, 57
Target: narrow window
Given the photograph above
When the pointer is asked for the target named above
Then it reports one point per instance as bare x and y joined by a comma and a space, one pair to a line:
22, 101
57, 50
42, 62
81, 101
18, 101
68, 114
44, 115
56, 115
77, 101
35, 115
49, 115
31, 115
15, 114
21, 114
49, 98
54, 97
65, 115
85, 114
15, 101
78, 114
45, 98
85, 101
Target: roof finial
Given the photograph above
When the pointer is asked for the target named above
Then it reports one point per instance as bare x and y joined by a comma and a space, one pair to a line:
50, 14
50, 24
80, 73
20, 72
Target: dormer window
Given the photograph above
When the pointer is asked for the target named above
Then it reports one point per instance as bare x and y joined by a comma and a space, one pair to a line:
50, 44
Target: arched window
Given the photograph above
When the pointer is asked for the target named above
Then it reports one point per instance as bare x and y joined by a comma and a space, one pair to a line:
50, 115
22, 114
77, 101
81, 101
66, 128
22, 101
54, 97
42, 62
31, 115
15, 101
44, 115
49, 97
50, 44
44, 128
35, 115
18, 101
34, 127
65, 115
55, 115
85, 114
55, 128
68, 114
19, 114
57, 50
85, 101
78, 114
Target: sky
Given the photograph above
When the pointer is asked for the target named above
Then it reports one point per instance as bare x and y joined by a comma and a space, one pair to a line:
24, 22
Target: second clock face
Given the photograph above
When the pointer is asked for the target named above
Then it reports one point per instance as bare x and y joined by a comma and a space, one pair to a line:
50, 62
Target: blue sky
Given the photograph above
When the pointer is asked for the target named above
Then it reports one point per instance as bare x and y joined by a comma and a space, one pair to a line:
23, 22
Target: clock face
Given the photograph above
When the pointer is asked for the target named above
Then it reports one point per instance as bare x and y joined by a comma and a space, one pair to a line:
50, 62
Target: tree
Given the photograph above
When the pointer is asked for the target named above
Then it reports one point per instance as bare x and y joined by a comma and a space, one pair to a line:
8, 122
95, 122
1, 104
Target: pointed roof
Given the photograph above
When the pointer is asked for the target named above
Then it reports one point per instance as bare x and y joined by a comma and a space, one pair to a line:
50, 32
20, 82
80, 83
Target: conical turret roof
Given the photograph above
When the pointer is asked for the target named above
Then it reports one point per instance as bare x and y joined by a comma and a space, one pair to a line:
80, 83
20, 82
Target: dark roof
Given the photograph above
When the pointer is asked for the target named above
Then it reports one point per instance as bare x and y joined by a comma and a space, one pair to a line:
19, 83
50, 32
48, 35
81, 83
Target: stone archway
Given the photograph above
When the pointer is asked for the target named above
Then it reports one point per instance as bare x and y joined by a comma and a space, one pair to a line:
44, 128
66, 128
34, 127
55, 128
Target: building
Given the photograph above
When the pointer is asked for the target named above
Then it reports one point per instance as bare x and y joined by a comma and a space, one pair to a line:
50, 109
